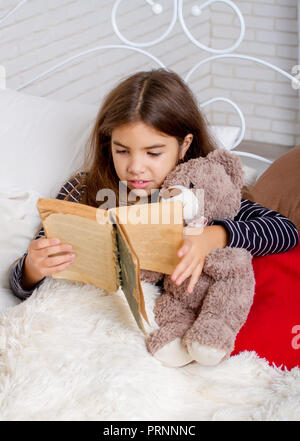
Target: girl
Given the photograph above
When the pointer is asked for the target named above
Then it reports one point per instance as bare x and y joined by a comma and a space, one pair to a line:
147, 125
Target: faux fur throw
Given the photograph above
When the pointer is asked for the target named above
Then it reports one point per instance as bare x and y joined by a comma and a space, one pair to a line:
73, 352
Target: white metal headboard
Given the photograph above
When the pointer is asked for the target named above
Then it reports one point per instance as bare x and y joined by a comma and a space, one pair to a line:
139, 47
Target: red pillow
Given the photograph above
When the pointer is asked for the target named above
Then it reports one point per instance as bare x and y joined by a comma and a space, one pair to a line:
272, 328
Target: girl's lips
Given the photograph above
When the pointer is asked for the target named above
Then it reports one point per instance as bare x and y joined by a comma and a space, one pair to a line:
135, 184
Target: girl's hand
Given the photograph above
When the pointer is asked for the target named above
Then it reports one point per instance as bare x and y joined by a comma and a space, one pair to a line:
193, 252
40, 261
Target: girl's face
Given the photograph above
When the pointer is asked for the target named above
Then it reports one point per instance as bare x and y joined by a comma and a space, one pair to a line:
141, 153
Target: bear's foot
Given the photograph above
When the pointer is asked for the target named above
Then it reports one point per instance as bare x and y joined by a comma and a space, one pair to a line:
173, 354
209, 340
205, 355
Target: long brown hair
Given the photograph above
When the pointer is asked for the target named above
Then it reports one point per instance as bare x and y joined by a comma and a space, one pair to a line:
158, 98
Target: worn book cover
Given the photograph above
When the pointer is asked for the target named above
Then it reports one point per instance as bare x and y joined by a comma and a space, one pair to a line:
111, 246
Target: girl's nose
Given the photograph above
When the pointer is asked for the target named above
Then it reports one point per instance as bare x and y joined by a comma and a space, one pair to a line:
135, 167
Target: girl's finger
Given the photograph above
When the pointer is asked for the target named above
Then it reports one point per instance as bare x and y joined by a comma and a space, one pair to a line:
58, 260
187, 270
195, 277
42, 242
184, 249
185, 263
57, 268
49, 251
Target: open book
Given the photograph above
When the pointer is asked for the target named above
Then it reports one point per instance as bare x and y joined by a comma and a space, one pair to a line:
111, 246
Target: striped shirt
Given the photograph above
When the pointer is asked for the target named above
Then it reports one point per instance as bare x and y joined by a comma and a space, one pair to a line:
255, 228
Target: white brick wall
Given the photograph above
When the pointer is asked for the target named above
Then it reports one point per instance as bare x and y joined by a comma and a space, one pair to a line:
45, 32
271, 34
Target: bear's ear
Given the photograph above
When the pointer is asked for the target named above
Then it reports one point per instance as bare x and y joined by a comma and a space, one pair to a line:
231, 163
178, 176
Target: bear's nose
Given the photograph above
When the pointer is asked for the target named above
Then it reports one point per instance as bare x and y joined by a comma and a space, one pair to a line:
169, 193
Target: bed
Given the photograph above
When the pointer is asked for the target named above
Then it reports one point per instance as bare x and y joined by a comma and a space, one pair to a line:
72, 351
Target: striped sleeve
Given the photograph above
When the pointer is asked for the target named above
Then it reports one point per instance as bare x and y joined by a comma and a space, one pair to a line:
259, 230
15, 277
69, 191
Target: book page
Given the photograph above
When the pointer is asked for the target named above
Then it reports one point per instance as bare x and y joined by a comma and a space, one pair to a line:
130, 276
93, 243
155, 232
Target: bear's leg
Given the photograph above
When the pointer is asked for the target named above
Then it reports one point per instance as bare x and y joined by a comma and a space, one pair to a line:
174, 319
174, 353
224, 311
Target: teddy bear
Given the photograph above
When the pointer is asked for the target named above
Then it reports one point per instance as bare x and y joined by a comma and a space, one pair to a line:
202, 326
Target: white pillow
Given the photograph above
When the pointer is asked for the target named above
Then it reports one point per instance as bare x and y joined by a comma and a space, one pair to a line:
225, 136
19, 222
42, 141
251, 175
7, 299
41, 144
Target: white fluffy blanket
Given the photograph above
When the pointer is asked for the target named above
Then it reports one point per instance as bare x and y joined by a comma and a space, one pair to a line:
74, 352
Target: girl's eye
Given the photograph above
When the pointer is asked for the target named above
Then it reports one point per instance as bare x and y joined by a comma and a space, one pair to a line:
149, 153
